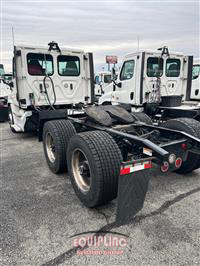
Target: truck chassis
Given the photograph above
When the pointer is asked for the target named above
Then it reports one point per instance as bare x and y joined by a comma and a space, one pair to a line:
101, 146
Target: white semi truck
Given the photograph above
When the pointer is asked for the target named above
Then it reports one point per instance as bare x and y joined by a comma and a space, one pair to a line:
157, 82
195, 91
5, 91
99, 146
102, 80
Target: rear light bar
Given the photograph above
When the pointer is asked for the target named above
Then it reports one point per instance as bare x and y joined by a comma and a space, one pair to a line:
134, 167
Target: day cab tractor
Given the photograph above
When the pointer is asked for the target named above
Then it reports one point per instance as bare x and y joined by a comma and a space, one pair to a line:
107, 151
102, 79
5, 80
195, 91
158, 83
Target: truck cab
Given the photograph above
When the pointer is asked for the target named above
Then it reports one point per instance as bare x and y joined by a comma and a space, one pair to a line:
5, 91
195, 91
102, 80
48, 78
146, 75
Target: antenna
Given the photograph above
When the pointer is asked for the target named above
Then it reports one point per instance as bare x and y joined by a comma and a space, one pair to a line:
13, 36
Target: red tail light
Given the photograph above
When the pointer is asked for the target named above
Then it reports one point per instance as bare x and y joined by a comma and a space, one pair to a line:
178, 162
184, 146
164, 167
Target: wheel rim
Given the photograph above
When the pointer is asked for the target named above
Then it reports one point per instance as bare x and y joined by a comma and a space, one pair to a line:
50, 148
81, 170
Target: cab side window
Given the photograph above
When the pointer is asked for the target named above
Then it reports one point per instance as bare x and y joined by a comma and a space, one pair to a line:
195, 71
127, 70
107, 79
173, 67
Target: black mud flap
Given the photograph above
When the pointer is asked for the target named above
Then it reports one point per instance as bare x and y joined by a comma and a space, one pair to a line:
3, 114
132, 191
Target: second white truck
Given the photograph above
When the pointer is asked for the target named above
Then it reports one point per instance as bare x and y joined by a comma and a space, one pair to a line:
156, 82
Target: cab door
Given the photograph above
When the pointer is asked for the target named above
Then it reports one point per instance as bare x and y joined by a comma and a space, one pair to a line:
195, 91
153, 73
172, 80
125, 91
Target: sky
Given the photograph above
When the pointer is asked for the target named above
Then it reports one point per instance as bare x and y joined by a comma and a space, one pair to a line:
99, 26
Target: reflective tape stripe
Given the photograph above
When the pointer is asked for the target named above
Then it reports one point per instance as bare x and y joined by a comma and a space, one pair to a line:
135, 168
148, 165
125, 171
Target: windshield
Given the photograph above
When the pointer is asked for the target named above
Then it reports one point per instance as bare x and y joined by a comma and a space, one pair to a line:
107, 79
154, 67
195, 71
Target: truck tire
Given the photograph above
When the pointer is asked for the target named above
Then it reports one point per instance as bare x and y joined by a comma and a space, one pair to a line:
192, 127
56, 136
93, 160
142, 117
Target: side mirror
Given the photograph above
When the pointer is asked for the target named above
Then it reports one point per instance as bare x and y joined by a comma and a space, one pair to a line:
113, 74
119, 85
114, 78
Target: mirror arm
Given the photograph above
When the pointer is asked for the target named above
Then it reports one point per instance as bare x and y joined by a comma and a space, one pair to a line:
117, 84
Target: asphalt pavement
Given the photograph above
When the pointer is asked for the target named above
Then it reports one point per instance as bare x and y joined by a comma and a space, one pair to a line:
40, 212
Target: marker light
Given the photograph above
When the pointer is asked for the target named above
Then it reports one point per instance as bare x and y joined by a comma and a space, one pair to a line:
164, 167
178, 162
184, 146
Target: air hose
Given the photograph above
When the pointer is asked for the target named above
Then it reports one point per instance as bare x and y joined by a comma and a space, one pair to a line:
46, 91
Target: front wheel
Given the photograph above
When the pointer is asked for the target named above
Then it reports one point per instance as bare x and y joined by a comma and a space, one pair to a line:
93, 160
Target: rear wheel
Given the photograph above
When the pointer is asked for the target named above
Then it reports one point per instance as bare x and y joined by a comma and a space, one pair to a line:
142, 117
56, 136
191, 127
93, 160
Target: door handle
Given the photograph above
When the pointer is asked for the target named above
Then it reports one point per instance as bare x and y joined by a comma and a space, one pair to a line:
131, 95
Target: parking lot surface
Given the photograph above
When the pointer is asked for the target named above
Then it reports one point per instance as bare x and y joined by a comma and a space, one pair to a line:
40, 211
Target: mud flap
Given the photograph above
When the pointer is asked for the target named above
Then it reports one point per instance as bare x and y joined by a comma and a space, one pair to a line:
132, 189
3, 114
